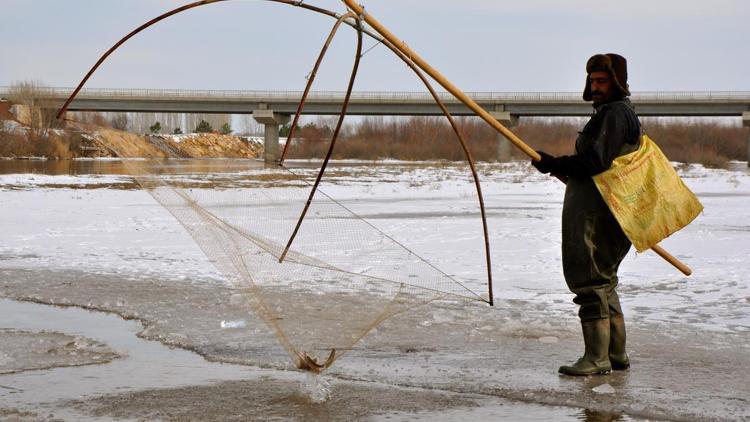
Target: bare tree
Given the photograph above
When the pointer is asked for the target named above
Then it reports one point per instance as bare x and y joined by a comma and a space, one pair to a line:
119, 121
250, 126
30, 96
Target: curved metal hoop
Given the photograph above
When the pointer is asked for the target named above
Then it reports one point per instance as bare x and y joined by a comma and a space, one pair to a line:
357, 25
336, 132
311, 79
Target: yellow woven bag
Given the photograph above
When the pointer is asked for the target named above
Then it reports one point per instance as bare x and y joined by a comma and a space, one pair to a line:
646, 195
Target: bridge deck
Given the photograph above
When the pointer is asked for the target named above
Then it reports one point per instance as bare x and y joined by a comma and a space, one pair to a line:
387, 103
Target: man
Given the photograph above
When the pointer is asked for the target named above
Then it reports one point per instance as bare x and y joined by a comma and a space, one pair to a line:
593, 244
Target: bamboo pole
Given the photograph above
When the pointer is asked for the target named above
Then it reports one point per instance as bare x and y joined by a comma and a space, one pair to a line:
476, 108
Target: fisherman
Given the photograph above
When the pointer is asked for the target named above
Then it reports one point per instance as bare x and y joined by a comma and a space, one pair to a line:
593, 244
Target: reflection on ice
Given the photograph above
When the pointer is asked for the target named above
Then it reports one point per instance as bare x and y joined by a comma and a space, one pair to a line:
232, 324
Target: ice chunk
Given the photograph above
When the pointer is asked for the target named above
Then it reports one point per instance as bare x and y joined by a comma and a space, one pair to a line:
604, 389
233, 324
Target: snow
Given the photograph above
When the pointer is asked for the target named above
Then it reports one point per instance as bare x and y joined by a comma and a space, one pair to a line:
180, 138
32, 180
10, 126
89, 222
253, 139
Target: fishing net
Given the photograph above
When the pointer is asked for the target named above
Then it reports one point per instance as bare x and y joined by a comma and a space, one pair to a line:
341, 278
320, 276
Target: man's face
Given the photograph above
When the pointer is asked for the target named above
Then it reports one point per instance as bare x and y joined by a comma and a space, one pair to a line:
601, 87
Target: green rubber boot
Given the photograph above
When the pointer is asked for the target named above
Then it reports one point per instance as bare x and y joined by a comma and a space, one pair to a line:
618, 357
595, 359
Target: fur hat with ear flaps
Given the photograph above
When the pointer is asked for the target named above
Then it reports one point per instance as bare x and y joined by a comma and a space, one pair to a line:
615, 65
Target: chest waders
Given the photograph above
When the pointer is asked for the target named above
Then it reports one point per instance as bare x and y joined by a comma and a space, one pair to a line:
593, 246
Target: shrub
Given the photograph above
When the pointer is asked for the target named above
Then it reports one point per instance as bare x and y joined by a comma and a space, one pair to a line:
203, 127
284, 130
711, 143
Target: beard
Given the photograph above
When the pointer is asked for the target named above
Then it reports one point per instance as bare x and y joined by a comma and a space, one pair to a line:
599, 97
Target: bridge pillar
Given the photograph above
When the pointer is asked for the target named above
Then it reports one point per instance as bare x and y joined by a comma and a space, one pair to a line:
271, 122
504, 146
746, 123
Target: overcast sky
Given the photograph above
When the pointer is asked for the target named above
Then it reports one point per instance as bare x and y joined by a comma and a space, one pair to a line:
481, 45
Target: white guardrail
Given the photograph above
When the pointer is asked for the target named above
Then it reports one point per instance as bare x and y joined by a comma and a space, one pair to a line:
218, 95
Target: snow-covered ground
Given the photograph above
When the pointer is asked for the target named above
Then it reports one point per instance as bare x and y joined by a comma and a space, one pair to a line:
49, 223
90, 223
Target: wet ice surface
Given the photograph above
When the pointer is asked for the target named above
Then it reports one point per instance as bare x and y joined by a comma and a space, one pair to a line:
27, 350
431, 209
141, 364
448, 348
152, 381
97, 247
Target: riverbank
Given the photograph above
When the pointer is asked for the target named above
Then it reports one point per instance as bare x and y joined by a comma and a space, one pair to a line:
81, 140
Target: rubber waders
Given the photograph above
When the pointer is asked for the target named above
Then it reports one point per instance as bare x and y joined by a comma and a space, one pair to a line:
595, 359
617, 355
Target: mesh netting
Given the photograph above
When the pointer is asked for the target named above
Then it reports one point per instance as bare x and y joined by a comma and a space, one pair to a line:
320, 276
341, 277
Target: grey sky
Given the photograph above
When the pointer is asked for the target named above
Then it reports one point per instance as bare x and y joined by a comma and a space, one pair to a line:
481, 45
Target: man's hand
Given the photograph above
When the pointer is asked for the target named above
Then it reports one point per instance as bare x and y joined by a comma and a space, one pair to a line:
545, 164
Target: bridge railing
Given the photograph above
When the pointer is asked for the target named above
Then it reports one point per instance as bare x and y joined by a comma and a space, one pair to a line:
399, 96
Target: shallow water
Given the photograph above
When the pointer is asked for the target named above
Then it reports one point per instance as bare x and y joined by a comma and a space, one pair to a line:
176, 165
147, 365
119, 167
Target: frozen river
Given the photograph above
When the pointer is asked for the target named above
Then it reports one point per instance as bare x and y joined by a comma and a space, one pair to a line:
85, 235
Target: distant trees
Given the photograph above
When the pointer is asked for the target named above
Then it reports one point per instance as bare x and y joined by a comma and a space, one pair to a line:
91, 117
177, 131
315, 132
29, 95
284, 130
187, 122
119, 121
226, 129
203, 127
155, 128
214, 121
141, 122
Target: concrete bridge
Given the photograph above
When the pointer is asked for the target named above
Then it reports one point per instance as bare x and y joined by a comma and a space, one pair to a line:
273, 108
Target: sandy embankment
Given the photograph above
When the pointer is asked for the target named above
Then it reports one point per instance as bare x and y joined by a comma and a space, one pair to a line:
83, 140
111, 142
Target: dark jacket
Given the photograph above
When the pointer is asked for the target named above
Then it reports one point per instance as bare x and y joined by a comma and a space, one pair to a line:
593, 244
613, 130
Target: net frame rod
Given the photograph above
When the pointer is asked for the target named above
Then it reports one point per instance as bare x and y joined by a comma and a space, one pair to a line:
336, 132
308, 86
476, 108
360, 28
